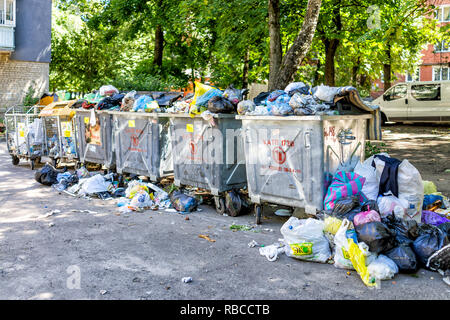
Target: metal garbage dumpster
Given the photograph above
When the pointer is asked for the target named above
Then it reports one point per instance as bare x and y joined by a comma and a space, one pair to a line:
95, 137
208, 156
60, 132
142, 144
25, 134
291, 160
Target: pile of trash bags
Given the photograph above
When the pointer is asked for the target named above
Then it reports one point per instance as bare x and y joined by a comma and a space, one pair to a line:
379, 219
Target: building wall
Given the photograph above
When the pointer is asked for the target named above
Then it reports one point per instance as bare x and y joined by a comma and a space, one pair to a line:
17, 76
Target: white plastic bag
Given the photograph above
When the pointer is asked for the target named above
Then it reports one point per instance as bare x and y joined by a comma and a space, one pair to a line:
325, 93
305, 240
271, 252
383, 268
341, 256
372, 184
387, 205
410, 184
95, 184
108, 90
141, 200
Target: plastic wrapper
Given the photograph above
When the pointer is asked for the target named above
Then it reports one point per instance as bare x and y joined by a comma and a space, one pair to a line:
358, 259
296, 87
383, 268
341, 255
233, 95
305, 240
139, 104
128, 101
281, 109
325, 93
332, 224
141, 200
387, 205
108, 90
245, 107
377, 236
274, 95
203, 100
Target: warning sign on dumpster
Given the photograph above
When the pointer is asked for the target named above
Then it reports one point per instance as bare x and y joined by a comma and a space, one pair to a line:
279, 149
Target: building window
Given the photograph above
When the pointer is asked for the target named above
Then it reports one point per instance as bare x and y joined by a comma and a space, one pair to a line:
413, 77
442, 46
426, 92
8, 12
443, 14
441, 73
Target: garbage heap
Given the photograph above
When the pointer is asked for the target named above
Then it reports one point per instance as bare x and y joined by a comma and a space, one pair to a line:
379, 219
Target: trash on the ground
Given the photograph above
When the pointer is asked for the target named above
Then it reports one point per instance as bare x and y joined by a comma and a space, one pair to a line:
51, 224
283, 213
51, 213
206, 237
377, 236
103, 292
238, 227
271, 252
253, 244
305, 240
383, 268
404, 258
430, 240
186, 279
182, 202
235, 204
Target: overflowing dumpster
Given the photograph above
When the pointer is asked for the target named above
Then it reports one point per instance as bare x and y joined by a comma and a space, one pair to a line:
95, 137
142, 144
208, 154
291, 160
60, 132
24, 134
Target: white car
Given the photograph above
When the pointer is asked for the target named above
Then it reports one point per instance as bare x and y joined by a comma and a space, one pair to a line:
427, 101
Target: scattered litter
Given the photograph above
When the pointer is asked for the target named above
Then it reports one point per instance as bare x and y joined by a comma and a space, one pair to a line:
51, 224
51, 213
103, 292
283, 213
253, 244
186, 279
203, 236
271, 252
238, 227
267, 229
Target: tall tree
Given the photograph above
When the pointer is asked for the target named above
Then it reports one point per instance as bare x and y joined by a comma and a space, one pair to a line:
283, 73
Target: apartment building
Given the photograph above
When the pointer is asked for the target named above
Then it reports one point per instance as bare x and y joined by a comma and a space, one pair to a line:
25, 48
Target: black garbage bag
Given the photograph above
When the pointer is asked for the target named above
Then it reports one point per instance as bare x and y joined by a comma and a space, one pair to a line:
404, 257
261, 97
220, 105
110, 102
445, 227
370, 205
430, 240
377, 236
47, 175
406, 231
182, 202
235, 203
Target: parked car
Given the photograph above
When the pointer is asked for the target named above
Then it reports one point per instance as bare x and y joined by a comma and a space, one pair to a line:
427, 101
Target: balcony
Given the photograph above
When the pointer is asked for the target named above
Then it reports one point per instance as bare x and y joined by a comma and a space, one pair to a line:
6, 38
7, 24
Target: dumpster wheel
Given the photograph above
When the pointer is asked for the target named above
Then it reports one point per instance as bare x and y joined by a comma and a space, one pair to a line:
34, 162
15, 160
258, 213
220, 204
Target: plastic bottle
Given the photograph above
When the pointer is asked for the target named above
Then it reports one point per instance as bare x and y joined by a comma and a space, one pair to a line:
399, 212
412, 205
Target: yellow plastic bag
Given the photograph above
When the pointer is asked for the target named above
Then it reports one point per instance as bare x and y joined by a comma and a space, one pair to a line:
429, 187
200, 89
359, 263
332, 225
137, 189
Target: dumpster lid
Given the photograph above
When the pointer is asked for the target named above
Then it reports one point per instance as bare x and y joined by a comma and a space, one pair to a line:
61, 108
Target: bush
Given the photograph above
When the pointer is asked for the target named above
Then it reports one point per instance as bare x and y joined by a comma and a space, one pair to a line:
29, 99
372, 149
144, 82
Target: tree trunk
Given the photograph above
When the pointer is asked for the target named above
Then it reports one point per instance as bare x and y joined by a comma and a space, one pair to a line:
275, 54
159, 46
246, 68
330, 52
355, 72
293, 58
387, 69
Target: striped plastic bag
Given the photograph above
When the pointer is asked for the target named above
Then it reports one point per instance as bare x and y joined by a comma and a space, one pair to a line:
344, 184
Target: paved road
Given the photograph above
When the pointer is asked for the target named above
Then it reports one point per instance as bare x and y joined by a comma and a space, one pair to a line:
145, 255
